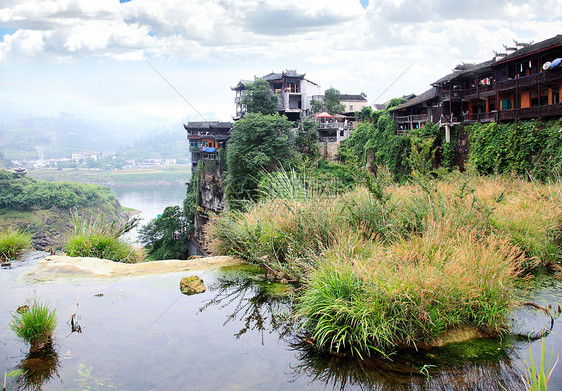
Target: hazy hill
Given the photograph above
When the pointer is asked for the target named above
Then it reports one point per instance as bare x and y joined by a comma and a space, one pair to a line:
50, 138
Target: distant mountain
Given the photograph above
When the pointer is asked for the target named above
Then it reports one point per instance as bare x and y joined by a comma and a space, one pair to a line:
51, 138
164, 145
58, 137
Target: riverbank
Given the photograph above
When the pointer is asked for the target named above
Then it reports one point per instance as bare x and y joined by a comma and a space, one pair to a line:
154, 176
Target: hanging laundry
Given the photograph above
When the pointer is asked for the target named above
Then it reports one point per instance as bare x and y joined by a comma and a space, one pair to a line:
555, 63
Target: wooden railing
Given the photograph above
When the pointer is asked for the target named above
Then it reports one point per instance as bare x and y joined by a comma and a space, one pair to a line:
531, 112
413, 118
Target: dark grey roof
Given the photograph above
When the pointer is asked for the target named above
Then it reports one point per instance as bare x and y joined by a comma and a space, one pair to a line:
466, 70
423, 97
207, 125
286, 72
547, 43
347, 97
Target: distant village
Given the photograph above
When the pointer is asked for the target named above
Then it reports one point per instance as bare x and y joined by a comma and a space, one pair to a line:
85, 160
523, 82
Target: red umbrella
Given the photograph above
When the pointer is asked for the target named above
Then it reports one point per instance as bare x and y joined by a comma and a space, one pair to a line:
324, 114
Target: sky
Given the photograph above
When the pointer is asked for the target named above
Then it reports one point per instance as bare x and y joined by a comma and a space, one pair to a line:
107, 59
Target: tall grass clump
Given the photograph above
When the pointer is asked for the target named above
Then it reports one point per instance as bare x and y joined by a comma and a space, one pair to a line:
13, 242
94, 238
364, 295
35, 324
387, 265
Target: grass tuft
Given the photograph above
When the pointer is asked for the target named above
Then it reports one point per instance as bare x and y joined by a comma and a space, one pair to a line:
13, 242
94, 238
36, 325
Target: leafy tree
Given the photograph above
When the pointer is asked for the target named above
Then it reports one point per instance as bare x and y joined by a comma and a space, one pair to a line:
258, 98
166, 236
258, 143
365, 115
316, 106
332, 101
306, 139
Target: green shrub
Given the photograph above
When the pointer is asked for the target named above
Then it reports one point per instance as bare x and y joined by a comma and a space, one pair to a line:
35, 324
94, 238
13, 242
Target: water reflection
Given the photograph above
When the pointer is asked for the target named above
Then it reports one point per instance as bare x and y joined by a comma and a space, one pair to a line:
257, 305
437, 369
474, 365
38, 368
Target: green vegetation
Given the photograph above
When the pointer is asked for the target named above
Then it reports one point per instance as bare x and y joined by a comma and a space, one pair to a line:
35, 324
527, 147
30, 194
165, 237
258, 98
259, 143
331, 103
13, 242
397, 265
537, 377
94, 238
138, 176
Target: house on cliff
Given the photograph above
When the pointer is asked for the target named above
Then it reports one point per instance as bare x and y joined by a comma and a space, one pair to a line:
523, 84
294, 93
206, 139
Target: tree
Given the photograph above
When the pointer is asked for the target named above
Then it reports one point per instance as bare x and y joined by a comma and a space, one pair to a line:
316, 106
306, 139
332, 101
258, 98
258, 143
165, 237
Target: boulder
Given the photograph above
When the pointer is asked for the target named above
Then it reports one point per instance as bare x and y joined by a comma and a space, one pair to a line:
192, 285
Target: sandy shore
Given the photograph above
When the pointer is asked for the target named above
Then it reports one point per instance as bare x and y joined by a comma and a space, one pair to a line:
62, 267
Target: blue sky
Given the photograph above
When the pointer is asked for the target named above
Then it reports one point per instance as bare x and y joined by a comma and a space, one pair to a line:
89, 58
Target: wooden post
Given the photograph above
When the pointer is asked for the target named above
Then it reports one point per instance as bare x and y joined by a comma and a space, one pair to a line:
448, 133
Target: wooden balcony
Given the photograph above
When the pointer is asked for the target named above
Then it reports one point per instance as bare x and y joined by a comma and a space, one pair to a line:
520, 82
416, 118
480, 117
531, 112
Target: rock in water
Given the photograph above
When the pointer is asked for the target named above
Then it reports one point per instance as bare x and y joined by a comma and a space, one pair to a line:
192, 285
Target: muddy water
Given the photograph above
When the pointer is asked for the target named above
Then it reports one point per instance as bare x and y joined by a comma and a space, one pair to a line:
140, 333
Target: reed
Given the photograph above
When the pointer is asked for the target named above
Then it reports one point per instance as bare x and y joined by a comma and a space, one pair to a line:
13, 242
94, 238
537, 377
35, 325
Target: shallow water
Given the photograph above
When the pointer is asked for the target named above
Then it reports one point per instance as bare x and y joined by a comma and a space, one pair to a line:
143, 334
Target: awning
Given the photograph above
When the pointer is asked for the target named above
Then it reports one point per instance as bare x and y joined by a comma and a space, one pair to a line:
209, 149
324, 114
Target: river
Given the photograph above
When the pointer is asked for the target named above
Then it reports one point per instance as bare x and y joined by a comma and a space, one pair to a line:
149, 200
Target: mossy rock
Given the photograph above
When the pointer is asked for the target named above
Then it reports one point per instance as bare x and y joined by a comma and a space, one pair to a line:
192, 285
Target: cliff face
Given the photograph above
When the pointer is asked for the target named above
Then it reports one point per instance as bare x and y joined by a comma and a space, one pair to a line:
211, 201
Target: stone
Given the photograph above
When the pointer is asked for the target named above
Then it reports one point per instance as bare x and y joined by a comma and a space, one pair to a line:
192, 285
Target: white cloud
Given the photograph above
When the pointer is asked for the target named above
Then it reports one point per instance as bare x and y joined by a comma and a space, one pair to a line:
336, 42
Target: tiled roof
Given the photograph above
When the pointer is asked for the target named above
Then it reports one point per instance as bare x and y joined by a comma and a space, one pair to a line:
207, 125
423, 97
466, 70
547, 43
346, 97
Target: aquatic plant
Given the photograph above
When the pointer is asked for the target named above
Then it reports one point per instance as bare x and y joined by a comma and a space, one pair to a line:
364, 296
13, 242
35, 325
93, 238
537, 377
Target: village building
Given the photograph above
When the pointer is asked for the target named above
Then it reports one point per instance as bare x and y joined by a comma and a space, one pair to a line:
353, 103
522, 84
294, 93
206, 139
